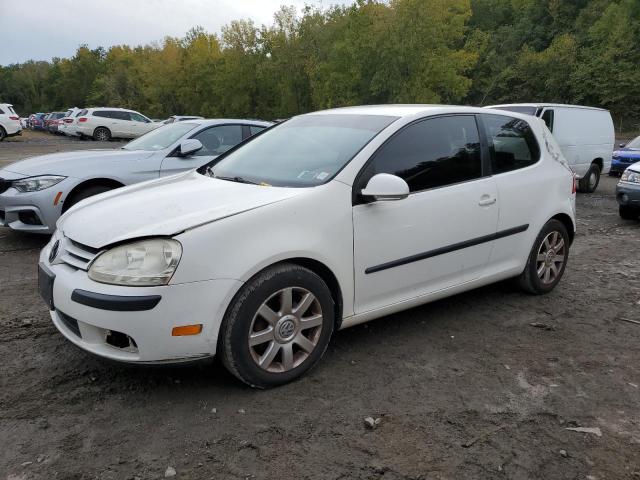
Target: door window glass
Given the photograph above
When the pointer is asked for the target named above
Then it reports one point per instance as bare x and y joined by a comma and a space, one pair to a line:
136, 117
217, 140
547, 116
431, 153
511, 141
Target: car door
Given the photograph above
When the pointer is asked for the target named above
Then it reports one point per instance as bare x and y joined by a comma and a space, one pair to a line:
441, 235
215, 141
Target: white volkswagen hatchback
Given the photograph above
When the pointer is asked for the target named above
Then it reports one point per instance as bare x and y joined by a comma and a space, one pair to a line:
322, 222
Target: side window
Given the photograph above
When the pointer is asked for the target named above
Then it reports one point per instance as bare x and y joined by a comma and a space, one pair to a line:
103, 114
432, 153
118, 115
1, 112
253, 129
512, 143
217, 140
136, 117
547, 116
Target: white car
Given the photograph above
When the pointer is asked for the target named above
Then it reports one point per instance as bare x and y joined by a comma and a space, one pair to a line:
585, 134
34, 192
103, 123
319, 223
65, 125
9, 121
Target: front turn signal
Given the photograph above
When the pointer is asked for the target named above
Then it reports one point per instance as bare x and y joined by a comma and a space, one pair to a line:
184, 330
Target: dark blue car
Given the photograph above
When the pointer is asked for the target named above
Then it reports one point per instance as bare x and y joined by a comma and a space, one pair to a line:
627, 155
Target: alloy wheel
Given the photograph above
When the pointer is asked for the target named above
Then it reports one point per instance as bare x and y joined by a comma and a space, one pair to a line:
285, 330
551, 257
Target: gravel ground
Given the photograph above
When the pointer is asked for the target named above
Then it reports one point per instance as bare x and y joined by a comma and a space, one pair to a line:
466, 388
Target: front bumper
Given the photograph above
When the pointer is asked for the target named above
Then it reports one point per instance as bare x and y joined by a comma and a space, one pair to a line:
138, 336
628, 194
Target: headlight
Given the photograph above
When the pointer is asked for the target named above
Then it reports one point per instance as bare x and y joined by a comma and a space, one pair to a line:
143, 264
35, 184
630, 176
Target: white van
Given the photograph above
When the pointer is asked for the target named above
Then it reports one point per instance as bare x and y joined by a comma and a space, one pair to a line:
586, 136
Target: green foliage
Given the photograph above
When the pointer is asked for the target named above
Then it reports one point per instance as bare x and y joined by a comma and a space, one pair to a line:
372, 51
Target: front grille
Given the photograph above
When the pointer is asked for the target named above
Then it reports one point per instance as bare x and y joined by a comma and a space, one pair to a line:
70, 323
77, 255
4, 185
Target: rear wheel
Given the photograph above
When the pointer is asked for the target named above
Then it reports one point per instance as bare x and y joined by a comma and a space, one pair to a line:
3, 133
102, 134
84, 193
590, 181
547, 260
629, 213
277, 327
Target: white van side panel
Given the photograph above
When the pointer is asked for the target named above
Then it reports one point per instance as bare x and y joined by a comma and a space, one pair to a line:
584, 135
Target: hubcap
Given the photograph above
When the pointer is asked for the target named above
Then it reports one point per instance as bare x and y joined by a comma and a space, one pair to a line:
285, 330
550, 258
592, 180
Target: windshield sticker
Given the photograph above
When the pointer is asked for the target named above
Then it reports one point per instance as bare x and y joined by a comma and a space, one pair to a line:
322, 175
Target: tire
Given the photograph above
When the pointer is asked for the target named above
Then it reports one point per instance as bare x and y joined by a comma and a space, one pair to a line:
544, 270
629, 213
3, 133
276, 357
591, 179
84, 193
101, 134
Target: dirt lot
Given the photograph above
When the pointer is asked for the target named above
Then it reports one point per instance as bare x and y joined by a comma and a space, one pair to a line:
466, 388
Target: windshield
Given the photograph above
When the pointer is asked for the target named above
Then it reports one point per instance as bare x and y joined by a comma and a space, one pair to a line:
635, 143
302, 152
160, 138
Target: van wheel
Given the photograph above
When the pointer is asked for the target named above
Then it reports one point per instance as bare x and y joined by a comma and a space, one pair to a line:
82, 194
629, 213
277, 327
547, 260
102, 134
590, 181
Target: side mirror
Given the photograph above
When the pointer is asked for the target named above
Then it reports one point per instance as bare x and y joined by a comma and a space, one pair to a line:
385, 186
621, 145
189, 147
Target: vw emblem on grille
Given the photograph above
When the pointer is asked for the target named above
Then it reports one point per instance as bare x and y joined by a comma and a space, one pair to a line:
54, 251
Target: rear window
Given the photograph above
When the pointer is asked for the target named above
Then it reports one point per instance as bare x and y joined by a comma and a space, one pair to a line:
518, 109
81, 112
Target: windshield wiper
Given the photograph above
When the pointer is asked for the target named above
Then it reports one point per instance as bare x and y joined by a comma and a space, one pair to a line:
237, 179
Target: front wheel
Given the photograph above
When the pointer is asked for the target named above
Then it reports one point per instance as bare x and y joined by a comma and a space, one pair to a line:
547, 260
277, 327
590, 181
2, 134
629, 213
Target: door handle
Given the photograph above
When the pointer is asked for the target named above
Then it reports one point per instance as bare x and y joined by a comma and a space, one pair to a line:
487, 200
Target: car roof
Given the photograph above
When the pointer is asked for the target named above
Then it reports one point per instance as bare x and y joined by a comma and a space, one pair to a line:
223, 121
402, 110
539, 105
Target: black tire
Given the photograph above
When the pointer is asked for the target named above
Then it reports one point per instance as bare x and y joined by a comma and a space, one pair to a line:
3, 134
529, 280
629, 213
589, 183
233, 341
101, 134
84, 193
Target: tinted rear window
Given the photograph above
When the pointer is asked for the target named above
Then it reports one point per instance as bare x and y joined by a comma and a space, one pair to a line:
512, 143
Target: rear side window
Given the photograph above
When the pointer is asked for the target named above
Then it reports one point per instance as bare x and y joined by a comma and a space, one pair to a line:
1, 112
431, 153
103, 114
512, 143
253, 129
547, 116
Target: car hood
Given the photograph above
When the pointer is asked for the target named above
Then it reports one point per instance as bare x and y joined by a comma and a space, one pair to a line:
627, 153
163, 207
71, 164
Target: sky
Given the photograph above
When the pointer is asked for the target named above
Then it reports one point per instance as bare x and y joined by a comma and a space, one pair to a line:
43, 29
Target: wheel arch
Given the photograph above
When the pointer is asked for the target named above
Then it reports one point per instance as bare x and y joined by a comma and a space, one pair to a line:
568, 223
93, 182
599, 162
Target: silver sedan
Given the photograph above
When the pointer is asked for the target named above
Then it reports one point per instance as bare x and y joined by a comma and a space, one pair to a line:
36, 191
